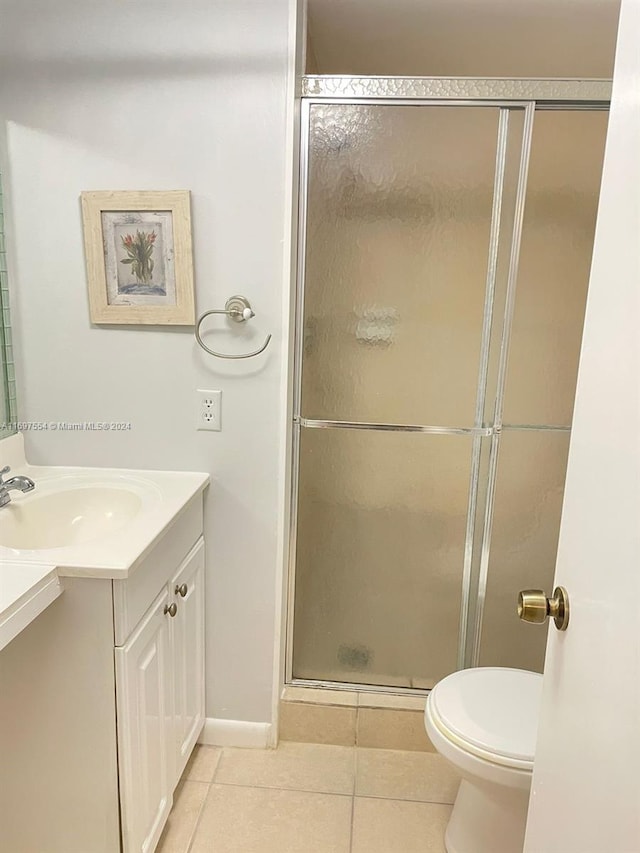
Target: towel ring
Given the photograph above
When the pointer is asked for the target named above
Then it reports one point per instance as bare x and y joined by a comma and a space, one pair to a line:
237, 308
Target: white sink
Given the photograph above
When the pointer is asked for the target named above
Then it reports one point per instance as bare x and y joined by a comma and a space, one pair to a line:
70, 511
66, 518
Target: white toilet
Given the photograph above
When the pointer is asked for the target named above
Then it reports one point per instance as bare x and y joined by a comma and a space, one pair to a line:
485, 721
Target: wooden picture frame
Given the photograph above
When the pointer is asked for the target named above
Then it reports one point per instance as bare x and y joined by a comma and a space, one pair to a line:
139, 257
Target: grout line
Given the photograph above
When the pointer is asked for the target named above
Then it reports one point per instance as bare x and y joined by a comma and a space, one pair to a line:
397, 799
353, 798
218, 763
399, 750
412, 750
318, 704
355, 769
313, 742
353, 809
382, 709
282, 788
198, 818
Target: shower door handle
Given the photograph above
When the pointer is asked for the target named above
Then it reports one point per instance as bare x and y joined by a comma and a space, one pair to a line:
534, 606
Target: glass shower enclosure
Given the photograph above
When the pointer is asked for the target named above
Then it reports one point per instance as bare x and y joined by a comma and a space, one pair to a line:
446, 232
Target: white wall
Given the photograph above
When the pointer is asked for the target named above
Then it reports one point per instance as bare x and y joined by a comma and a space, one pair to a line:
190, 94
469, 38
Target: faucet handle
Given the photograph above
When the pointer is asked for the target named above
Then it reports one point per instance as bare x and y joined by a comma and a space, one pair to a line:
4, 471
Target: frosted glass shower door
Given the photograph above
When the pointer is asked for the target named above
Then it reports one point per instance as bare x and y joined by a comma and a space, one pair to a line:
381, 533
398, 221
563, 187
399, 211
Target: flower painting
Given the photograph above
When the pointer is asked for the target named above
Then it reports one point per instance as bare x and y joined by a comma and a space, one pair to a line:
138, 249
139, 256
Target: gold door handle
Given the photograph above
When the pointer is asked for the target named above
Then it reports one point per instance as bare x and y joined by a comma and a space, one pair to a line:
534, 606
181, 589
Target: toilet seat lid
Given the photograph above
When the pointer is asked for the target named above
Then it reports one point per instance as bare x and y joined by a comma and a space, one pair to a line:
493, 709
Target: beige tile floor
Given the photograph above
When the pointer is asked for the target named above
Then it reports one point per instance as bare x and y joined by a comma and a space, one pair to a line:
310, 798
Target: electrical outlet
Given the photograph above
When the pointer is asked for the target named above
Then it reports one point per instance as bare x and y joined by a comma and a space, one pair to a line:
208, 410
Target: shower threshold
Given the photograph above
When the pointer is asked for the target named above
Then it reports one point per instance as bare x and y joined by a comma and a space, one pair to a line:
411, 687
353, 715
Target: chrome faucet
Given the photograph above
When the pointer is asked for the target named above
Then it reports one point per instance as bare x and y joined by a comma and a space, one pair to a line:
18, 483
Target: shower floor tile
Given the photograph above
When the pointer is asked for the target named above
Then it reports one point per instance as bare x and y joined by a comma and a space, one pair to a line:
310, 798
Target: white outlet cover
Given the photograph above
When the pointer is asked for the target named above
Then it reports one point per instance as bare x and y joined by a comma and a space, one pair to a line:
208, 410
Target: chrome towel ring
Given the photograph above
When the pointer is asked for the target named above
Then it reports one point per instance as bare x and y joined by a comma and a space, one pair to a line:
239, 309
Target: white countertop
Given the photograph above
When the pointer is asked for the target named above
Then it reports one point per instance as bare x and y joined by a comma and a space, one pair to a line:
163, 494
30, 579
26, 589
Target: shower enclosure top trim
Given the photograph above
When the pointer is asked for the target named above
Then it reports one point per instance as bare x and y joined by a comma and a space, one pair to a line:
448, 88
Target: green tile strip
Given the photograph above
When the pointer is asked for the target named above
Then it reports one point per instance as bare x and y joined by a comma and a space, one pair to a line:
8, 413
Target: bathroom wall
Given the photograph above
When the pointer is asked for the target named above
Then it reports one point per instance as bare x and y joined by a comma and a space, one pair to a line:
164, 95
439, 38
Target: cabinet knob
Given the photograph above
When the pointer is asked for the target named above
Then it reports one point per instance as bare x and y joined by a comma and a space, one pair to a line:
181, 589
171, 609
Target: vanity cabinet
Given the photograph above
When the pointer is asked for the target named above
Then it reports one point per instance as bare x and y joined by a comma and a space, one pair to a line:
145, 720
102, 702
160, 700
188, 658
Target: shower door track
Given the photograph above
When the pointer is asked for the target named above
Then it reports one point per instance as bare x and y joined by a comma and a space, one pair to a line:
506, 95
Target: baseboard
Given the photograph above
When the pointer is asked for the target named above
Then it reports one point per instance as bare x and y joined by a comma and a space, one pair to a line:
235, 733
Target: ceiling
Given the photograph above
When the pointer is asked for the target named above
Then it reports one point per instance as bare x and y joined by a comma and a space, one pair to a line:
476, 38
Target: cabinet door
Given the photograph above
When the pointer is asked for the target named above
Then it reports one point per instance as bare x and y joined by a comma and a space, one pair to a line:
188, 655
143, 687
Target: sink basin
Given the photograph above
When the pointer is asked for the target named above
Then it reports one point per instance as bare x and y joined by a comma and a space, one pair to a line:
65, 517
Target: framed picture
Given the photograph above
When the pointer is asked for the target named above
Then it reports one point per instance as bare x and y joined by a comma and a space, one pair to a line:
139, 258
